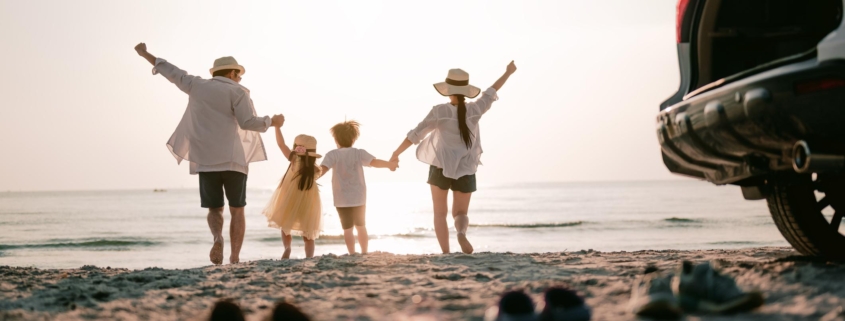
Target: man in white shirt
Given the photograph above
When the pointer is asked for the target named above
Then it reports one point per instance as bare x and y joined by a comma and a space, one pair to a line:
218, 136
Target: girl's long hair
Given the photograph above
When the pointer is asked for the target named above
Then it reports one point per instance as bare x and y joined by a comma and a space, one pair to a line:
306, 171
466, 134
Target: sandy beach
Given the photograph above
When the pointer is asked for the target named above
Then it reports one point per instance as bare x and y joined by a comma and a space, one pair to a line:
383, 286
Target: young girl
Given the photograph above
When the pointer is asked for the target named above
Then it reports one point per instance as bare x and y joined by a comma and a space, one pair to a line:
453, 149
295, 205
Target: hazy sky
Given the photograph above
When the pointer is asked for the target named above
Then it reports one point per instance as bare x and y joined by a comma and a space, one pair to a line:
81, 110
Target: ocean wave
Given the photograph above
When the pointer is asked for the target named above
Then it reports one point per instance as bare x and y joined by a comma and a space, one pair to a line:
89, 243
681, 220
337, 239
530, 225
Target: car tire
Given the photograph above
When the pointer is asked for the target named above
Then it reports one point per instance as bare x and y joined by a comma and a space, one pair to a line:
798, 214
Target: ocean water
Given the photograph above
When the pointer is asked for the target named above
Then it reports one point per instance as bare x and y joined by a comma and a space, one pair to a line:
138, 229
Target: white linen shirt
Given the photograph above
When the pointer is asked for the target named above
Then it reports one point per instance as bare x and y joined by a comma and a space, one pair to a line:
219, 130
348, 185
444, 148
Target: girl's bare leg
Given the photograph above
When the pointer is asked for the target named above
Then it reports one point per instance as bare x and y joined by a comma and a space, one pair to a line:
286, 240
460, 209
349, 238
441, 208
309, 247
363, 238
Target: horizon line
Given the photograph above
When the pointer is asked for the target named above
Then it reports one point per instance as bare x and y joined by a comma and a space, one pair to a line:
516, 184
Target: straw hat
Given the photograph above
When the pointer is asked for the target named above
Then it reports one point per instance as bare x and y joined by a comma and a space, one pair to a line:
457, 83
310, 144
229, 62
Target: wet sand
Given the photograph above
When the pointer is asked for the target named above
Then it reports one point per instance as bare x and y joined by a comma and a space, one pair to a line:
383, 286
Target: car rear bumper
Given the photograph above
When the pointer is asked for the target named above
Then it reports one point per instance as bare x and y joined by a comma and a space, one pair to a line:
747, 128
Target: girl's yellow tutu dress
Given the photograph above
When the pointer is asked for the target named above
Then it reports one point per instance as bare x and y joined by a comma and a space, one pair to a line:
294, 211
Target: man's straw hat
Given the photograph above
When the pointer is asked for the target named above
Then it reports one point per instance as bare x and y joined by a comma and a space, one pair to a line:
457, 83
224, 63
310, 144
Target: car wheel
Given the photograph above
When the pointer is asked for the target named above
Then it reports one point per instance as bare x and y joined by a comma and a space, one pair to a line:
808, 211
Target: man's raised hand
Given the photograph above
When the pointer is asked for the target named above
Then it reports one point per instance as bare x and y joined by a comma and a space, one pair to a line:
141, 49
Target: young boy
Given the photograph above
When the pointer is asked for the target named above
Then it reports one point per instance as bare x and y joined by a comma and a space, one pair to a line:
348, 185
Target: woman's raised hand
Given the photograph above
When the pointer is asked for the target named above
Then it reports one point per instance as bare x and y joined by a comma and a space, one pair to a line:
511, 68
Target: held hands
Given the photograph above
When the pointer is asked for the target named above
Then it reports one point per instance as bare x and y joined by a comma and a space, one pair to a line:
393, 163
511, 68
141, 49
277, 120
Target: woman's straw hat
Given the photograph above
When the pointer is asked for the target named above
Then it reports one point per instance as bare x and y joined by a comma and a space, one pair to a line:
229, 62
457, 83
310, 144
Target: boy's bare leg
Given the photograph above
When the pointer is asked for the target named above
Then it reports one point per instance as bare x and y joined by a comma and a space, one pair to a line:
215, 224
286, 240
309, 247
349, 238
237, 229
441, 209
460, 208
363, 238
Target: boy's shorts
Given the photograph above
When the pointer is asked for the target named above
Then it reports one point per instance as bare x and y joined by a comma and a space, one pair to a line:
464, 184
350, 216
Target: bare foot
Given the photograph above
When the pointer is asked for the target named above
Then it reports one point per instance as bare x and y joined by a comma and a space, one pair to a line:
465, 246
216, 254
286, 255
234, 260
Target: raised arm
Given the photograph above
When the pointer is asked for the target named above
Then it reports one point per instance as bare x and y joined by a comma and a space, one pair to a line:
177, 76
280, 140
141, 49
508, 72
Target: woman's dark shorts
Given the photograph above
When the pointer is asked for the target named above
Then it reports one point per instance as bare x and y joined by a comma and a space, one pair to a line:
212, 185
464, 184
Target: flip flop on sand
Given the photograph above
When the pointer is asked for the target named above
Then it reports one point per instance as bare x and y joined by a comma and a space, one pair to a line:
652, 296
703, 289
466, 247
515, 306
216, 254
564, 304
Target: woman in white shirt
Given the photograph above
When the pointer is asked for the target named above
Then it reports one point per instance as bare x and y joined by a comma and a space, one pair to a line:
450, 141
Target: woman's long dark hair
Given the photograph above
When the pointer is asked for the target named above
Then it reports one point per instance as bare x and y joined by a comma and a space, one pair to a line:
466, 134
306, 171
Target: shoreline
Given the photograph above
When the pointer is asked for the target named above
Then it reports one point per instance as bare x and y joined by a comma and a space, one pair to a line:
380, 285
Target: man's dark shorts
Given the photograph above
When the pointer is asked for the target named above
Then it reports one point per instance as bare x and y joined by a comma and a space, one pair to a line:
212, 185
464, 184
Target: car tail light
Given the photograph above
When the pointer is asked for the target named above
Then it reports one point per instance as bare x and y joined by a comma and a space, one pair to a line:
815, 85
682, 9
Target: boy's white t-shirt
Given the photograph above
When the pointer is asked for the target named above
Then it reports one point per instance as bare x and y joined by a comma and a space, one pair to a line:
348, 185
